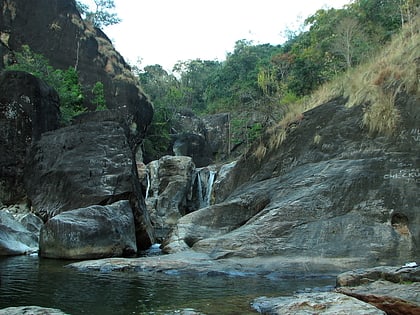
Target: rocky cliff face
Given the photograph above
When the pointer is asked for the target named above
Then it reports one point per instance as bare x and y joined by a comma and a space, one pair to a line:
91, 162
330, 190
56, 30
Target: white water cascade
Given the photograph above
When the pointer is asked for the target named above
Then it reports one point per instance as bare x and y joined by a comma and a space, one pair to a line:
205, 179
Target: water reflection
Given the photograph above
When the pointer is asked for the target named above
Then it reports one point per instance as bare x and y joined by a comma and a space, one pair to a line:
27, 280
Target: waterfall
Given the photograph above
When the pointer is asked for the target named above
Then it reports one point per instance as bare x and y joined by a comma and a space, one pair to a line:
210, 181
205, 179
148, 185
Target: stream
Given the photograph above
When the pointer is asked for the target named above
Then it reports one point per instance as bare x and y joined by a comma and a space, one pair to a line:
30, 280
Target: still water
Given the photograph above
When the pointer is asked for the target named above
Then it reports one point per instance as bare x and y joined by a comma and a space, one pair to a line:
29, 280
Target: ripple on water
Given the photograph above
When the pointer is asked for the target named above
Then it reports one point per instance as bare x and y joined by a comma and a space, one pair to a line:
27, 280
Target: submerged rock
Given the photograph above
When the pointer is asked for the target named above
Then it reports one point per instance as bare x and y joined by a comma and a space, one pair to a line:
88, 233
31, 310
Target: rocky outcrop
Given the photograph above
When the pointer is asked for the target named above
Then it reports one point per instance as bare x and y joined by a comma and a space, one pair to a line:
205, 139
88, 233
83, 165
314, 303
15, 238
56, 30
28, 108
395, 290
330, 190
168, 191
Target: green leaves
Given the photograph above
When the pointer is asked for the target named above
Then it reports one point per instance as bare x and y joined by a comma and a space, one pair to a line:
65, 82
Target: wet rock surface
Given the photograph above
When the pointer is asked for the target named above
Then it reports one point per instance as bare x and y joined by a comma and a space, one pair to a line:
31, 310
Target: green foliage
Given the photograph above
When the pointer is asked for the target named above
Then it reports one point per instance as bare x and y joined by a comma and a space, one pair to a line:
269, 80
99, 96
101, 15
65, 82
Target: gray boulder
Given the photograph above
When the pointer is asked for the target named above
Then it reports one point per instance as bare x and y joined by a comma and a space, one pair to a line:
15, 239
90, 233
168, 192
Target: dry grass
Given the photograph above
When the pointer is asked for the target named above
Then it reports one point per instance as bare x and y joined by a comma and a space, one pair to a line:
374, 84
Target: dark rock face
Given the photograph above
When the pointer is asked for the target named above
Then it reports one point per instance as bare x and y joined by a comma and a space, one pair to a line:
331, 190
78, 166
56, 30
84, 165
204, 139
28, 108
89, 233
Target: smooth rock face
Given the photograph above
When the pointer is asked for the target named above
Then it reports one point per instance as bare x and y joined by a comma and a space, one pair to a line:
204, 139
314, 303
28, 108
90, 233
79, 166
15, 239
330, 190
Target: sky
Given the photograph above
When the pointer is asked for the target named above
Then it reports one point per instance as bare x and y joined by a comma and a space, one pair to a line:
167, 31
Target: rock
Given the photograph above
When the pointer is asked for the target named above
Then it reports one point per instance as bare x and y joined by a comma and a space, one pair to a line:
395, 290
28, 108
83, 165
369, 275
392, 298
168, 192
31, 222
15, 239
314, 303
205, 139
31, 310
79, 166
56, 30
329, 190
90, 233
209, 223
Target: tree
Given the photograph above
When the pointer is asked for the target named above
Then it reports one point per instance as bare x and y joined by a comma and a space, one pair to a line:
344, 42
101, 15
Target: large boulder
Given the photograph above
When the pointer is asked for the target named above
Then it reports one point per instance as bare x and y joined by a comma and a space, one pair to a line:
15, 239
28, 108
330, 190
89, 233
83, 165
168, 195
